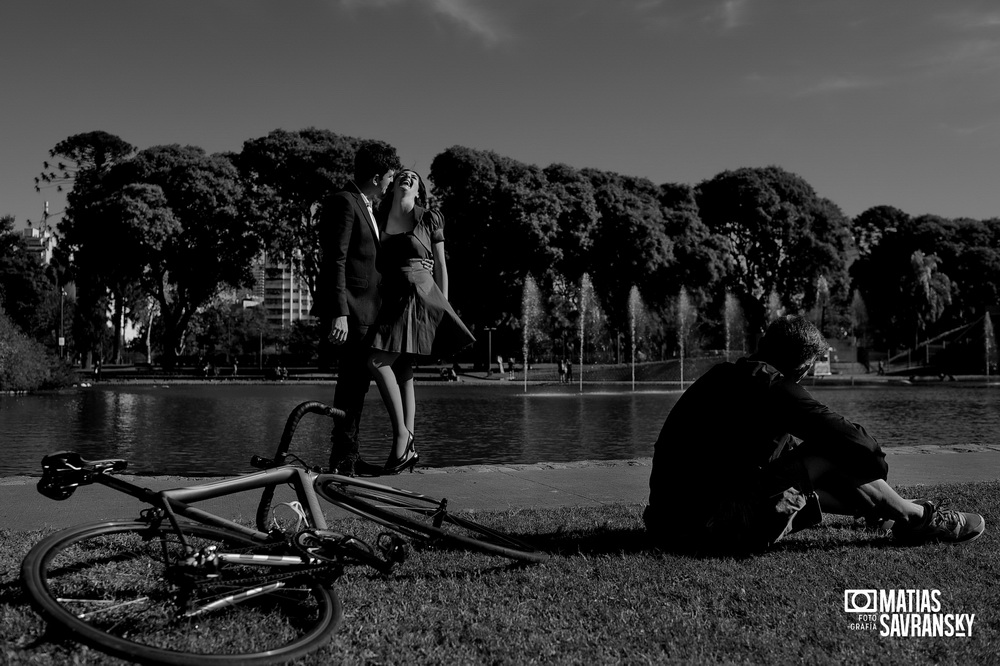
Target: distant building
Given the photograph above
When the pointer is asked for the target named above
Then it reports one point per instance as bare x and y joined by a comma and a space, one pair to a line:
283, 292
40, 243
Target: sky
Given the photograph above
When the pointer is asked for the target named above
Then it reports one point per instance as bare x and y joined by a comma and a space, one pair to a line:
894, 102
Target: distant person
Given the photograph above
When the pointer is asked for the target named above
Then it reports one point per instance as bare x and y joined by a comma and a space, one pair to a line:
416, 318
881, 367
500, 366
510, 368
569, 371
562, 371
729, 476
348, 299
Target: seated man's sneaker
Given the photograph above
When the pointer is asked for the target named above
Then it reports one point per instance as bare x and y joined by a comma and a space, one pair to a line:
939, 524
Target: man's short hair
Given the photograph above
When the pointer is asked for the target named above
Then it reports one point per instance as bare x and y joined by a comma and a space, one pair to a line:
791, 344
373, 159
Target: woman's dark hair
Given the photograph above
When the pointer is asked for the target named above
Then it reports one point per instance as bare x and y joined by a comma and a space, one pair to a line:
791, 344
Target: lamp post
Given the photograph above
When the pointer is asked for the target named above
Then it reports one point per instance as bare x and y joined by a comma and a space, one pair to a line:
489, 350
62, 329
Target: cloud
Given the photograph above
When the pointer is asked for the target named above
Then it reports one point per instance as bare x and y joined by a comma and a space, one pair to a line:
838, 84
969, 130
470, 15
474, 17
971, 20
732, 13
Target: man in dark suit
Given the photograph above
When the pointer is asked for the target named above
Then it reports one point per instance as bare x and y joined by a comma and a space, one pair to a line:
347, 296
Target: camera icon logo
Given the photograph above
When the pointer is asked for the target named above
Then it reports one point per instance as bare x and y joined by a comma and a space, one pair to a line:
860, 601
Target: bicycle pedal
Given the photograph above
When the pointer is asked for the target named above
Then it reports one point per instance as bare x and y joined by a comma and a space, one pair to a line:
396, 550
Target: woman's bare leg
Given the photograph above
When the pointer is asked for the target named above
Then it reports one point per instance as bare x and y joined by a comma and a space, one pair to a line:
381, 365
403, 369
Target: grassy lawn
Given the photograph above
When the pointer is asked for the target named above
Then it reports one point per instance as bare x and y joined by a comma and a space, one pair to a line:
606, 598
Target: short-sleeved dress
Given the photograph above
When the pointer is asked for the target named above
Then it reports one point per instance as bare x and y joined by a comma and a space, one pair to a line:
415, 317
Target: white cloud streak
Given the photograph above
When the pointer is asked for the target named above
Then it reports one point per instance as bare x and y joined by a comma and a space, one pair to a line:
470, 15
838, 84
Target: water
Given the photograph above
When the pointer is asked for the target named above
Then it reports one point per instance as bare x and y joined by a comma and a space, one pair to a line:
214, 429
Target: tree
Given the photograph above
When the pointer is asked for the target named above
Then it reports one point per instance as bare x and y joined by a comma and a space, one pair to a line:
576, 221
87, 155
631, 235
288, 174
929, 290
485, 278
870, 226
223, 328
26, 293
780, 235
182, 213
84, 163
971, 251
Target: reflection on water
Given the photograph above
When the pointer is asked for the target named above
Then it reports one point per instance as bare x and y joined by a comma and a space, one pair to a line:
214, 429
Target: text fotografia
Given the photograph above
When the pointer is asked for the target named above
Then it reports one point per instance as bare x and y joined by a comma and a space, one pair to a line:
905, 613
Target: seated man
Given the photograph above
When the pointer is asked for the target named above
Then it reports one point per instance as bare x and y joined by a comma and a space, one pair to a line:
747, 456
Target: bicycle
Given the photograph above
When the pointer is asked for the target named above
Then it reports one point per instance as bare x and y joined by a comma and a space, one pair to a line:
169, 591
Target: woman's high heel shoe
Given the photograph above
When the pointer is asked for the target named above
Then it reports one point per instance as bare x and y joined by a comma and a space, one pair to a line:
396, 465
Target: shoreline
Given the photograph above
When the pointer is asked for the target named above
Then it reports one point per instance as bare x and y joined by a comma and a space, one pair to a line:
541, 466
480, 379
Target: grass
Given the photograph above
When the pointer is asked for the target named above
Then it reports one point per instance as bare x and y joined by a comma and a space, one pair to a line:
606, 598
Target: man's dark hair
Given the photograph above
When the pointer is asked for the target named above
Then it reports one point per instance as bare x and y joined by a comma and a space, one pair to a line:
791, 344
373, 159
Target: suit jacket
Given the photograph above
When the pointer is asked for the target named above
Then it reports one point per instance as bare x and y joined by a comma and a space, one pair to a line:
348, 275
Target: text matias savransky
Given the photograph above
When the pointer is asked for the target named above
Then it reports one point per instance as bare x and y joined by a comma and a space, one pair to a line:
905, 613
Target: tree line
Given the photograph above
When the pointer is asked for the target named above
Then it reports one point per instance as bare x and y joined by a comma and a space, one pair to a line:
154, 235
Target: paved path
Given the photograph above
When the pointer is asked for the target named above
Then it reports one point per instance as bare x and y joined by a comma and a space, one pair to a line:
480, 487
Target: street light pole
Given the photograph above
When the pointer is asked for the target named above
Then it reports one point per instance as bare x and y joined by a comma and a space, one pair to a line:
489, 350
62, 328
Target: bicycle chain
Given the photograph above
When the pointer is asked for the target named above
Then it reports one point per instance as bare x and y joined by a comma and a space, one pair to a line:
334, 571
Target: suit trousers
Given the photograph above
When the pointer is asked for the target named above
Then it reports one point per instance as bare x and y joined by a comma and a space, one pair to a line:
353, 381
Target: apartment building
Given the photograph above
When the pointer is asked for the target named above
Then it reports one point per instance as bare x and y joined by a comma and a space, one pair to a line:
40, 243
283, 293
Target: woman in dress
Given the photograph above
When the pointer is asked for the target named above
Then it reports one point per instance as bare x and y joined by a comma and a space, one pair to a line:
416, 318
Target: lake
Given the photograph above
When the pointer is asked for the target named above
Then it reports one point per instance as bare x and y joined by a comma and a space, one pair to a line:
213, 429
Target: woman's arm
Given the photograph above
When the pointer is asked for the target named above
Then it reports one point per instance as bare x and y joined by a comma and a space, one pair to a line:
440, 268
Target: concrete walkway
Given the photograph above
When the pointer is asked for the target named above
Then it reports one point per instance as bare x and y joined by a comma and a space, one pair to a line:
480, 487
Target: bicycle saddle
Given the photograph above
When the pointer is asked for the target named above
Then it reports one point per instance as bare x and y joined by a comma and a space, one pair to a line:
64, 471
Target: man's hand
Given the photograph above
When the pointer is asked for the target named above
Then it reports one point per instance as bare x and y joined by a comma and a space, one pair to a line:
428, 264
339, 334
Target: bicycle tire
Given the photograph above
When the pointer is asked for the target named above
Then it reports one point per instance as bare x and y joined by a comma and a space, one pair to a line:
420, 517
70, 573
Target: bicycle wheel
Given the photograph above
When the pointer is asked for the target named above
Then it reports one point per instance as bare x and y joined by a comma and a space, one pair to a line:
421, 517
107, 584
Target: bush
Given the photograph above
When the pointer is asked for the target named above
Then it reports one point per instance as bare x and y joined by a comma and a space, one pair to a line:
26, 365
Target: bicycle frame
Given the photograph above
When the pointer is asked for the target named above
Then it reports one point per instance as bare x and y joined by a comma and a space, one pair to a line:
178, 500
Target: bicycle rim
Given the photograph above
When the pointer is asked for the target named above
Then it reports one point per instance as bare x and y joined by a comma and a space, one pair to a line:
421, 517
106, 584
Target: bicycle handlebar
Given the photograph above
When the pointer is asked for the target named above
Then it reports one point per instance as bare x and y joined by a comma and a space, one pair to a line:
260, 462
310, 407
